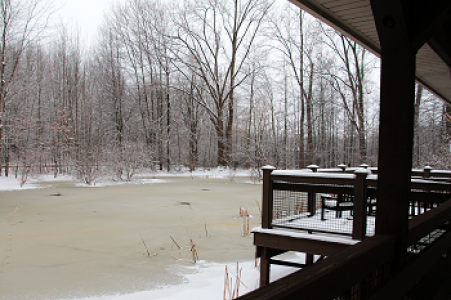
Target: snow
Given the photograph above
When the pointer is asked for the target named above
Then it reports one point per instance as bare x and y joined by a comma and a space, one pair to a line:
331, 224
11, 183
324, 237
206, 282
209, 173
134, 181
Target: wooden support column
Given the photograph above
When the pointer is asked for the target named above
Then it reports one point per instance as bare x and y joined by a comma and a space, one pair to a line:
265, 266
267, 215
267, 201
311, 198
397, 96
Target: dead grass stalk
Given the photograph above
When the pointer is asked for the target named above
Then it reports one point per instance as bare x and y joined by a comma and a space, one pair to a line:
175, 242
231, 289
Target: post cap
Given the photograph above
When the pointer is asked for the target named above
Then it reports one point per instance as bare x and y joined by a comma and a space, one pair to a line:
268, 168
342, 167
314, 168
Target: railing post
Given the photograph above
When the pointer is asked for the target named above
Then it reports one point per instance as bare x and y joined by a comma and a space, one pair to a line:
311, 198
427, 172
360, 205
364, 166
267, 201
267, 214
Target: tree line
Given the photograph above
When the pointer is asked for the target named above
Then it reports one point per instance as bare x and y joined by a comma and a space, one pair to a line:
207, 83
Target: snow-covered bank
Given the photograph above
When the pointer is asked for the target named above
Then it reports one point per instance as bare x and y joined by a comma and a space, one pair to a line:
11, 183
134, 181
205, 283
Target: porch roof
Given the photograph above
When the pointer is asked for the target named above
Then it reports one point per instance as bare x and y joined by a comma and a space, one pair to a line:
354, 18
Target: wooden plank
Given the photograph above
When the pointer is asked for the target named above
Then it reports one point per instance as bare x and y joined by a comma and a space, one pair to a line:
313, 180
435, 284
287, 263
429, 197
423, 224
287, 243
270, 252
413, 271
329, 277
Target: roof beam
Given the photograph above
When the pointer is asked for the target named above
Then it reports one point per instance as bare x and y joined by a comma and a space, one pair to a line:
440, 42
393, 21
427, 17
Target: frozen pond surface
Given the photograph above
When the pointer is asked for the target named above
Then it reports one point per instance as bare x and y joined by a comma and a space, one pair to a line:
65, 242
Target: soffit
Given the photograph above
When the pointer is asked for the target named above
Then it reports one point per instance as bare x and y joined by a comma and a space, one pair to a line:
354, 18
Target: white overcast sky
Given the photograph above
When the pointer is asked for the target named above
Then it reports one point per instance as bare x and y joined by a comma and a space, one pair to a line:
86, 15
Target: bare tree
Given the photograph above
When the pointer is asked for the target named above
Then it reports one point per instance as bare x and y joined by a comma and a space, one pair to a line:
416, 148
215, 41
21, 21
350, 82
297, 47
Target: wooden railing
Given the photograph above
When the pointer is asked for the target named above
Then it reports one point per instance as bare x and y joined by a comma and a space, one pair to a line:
348, 271
363, 271
425, 194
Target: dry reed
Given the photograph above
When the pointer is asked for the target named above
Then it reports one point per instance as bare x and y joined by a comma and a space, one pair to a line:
231, 290
246, 231
258, 205
245, 215
256, 261
193, 250
147, 248
175, 242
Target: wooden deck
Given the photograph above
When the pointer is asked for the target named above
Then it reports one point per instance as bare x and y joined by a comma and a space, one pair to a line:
291, 222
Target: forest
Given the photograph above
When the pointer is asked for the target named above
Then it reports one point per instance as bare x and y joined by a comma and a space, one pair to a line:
192, 84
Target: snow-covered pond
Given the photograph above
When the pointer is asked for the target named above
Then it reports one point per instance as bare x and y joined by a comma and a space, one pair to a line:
59, 240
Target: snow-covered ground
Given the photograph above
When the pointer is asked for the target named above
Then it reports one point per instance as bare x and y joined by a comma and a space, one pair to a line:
11, 183
206, 283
